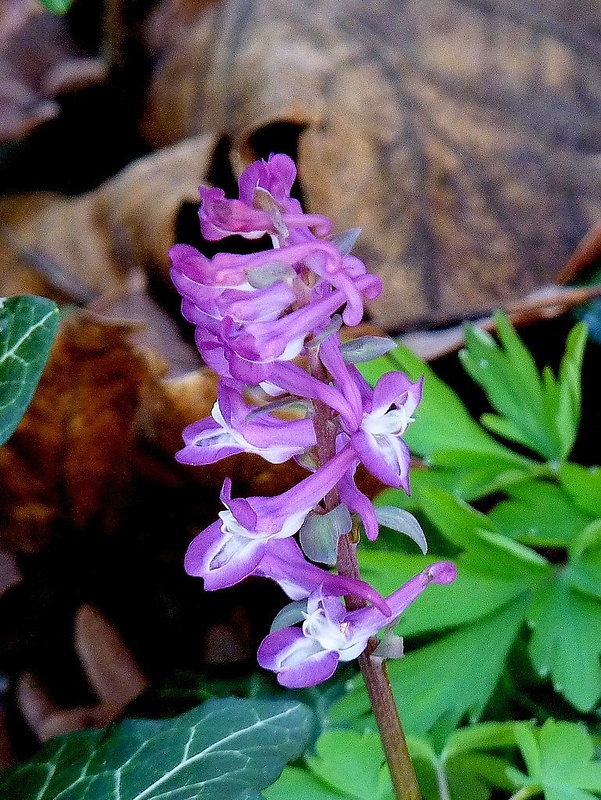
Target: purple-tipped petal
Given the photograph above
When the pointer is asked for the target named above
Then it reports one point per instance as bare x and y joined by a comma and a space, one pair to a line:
221, 558
298, 661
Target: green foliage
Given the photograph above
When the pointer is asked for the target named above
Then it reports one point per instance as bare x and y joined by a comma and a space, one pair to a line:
529, 582
350, 765
28, 326
529, 567
541, 412
57, 6
559, 762
225, 749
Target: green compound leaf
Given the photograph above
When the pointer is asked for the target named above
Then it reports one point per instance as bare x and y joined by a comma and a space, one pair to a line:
454, 677
350, 764
223, 750
442, 422
28, 326
540, 514
541, 413
501, 584
559, 761
347, 764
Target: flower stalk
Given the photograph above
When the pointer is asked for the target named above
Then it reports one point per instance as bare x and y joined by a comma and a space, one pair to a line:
254, 315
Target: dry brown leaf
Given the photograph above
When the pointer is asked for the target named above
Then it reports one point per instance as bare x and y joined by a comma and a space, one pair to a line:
108, 663
462, 138
71, 457
110, 669
38, 62
89, 245
102, 416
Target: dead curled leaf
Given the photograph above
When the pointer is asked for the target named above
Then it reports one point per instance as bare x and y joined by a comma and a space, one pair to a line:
103, 416
110, 669
95, 241
461, 138
38, 62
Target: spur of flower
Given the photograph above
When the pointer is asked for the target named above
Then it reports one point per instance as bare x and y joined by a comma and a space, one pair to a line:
306, 655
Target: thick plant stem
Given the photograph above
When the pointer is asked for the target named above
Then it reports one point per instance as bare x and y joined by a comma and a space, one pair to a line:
385, 711
375, 675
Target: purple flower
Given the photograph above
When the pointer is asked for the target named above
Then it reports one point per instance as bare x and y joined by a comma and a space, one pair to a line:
231, 548
227, 432
386, 416
215, 288
380, 416
283, 561
264, 205
308, 655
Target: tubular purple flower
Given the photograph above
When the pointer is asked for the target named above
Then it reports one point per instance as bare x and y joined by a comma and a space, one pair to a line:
231, 548
308, 655
273, 337
283, 561
378, 441
264, 205
228, 432
386, 412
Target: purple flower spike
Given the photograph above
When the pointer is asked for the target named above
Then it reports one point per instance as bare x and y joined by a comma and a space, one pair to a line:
228, 432
308, 655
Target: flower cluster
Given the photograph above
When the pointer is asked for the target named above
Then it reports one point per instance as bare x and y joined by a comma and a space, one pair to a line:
254, 316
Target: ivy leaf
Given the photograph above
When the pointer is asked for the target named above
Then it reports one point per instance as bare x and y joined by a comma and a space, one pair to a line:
559, 761
28, 326
541, 413
225, 749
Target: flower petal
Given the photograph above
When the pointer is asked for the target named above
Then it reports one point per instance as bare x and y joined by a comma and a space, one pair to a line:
298, 661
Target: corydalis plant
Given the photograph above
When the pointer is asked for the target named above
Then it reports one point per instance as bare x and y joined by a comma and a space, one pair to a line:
254, 315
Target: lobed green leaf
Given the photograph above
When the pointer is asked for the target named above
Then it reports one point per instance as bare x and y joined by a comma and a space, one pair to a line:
559, 760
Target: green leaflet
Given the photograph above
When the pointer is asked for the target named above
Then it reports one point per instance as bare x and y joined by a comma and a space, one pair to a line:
540, 514
350, 765
223, 750
28, 326
540, 412
566, 642
559, 761
583, 485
